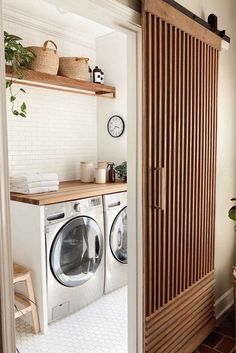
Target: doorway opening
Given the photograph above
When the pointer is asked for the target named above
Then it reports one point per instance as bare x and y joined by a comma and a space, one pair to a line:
81, 284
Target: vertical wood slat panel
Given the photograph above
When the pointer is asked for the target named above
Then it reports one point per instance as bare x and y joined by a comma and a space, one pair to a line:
197, 165
182, 152
200, 159
206, 123
203, 148
159, 164
169, 191
174, 150
178, 153
180, 147
204, 161
165, 122
166, 162
207, 161
188, 171
191, 164
209, 158
194, 163
155, 151
144, 166
214, 95
150, 193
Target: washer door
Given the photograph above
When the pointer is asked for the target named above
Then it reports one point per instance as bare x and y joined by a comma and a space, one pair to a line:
76, 251
118, 237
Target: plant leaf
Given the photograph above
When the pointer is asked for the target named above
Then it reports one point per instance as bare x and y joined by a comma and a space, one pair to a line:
20, 75
9, 83
232, 213
23, 107
19, 58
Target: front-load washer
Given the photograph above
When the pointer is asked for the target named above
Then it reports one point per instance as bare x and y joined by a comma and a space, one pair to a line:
116, 259
75, 258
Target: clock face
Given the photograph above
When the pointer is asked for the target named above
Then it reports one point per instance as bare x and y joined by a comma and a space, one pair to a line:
116, 126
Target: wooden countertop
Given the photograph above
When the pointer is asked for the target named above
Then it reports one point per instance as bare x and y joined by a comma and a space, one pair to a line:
70, 190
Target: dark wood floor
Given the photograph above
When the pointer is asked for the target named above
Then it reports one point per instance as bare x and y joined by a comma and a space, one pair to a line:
222, 340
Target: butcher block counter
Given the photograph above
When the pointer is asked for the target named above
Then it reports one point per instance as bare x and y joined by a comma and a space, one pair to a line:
70, 190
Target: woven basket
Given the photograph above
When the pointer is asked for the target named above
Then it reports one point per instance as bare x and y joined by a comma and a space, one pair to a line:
73, 67
47, 60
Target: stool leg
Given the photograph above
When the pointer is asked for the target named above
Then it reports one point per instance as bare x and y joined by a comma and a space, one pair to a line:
32, 301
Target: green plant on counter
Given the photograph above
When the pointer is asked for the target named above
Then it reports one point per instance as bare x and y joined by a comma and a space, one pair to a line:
232, 211
121, 171
19, 58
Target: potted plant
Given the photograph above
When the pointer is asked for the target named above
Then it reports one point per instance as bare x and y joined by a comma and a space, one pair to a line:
19, 58
121, 171
232, 211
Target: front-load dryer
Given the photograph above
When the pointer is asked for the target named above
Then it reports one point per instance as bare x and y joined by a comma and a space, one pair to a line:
75, 258
116, 259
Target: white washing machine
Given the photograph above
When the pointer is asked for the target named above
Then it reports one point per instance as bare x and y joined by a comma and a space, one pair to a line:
116, 259
75, 256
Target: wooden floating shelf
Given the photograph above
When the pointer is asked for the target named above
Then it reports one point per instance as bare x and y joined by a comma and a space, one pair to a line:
60, 83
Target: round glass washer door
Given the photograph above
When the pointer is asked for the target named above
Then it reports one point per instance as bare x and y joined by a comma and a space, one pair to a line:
118, 237
77, 251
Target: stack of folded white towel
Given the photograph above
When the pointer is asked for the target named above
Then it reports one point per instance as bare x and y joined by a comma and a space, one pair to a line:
29, 183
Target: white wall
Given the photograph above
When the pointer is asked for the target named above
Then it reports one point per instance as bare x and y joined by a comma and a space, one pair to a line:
112, 56
61, 128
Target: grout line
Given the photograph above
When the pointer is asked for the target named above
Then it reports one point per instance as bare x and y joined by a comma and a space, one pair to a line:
224, 335
221, 340
205, 345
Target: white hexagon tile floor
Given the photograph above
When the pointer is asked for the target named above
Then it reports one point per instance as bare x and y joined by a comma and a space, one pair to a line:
101, 327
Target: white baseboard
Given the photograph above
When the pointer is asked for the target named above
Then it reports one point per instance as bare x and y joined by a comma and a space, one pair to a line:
223, 303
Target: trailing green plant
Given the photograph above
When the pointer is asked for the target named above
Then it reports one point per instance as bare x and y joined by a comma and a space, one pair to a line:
121, 171
232, 211
19, 58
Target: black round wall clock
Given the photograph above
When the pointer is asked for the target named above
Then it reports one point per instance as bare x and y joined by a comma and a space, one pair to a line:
116, 126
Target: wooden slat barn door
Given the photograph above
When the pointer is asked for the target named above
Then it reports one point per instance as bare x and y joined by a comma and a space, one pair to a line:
179, 162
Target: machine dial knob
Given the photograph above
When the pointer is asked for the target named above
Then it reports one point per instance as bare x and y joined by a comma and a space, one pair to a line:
77, 207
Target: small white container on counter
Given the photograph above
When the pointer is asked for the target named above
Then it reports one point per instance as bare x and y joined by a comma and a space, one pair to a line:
102, 164
86, 172
100, 176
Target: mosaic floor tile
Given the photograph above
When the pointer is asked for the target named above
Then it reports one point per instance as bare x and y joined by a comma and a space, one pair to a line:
101, 327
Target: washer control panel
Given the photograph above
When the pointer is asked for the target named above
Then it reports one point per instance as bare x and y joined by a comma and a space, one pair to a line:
60, 212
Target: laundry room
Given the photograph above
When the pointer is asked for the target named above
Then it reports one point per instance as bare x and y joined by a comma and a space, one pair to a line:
67, 108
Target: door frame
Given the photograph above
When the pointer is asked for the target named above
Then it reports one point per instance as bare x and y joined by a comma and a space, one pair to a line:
7, 320
122, 18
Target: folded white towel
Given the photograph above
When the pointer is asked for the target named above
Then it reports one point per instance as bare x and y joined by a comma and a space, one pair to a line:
38, 190
38, 184
33, 177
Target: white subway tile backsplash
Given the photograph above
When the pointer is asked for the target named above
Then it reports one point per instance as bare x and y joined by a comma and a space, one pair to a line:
61, 128
60, 131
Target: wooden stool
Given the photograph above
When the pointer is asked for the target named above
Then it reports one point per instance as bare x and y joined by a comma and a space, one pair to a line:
22, 274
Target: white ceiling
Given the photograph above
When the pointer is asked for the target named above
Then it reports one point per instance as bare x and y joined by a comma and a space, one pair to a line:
43, 11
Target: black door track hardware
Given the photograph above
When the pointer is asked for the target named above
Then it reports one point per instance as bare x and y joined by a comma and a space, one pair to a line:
211, 25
